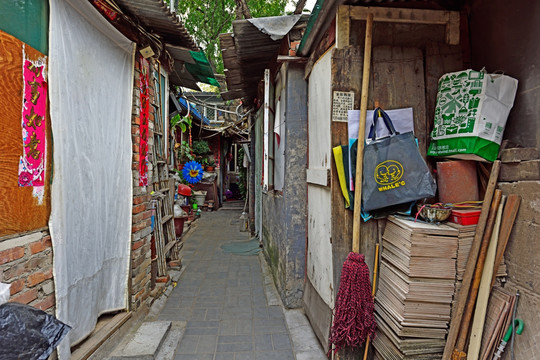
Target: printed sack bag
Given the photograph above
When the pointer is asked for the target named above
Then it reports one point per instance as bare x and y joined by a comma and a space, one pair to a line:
394, 171
471, 113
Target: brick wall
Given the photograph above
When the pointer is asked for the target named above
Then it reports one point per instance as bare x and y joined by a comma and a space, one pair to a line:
140, 284
26, 264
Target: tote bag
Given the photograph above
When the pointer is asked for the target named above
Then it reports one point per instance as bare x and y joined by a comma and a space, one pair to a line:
394, 171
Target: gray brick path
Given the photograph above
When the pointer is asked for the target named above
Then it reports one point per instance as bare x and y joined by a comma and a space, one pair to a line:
222, 298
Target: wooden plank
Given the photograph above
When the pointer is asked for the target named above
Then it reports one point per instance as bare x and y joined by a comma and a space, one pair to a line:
159, 236
96, 339
473, 352
398, 82
318, 313
318, 177
169, 246
509, 216
417, 16
324, 45
166, 218
478, 268
459, 307
440, 59
343, 26
346, 76
292, 59
499, 307
21, 211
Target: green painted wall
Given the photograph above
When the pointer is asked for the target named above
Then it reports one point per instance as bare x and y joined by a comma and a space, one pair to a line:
27, 20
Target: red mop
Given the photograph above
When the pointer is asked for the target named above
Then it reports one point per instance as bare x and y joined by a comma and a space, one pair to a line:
353, 319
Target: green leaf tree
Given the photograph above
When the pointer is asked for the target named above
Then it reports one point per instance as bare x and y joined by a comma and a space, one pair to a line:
206, 19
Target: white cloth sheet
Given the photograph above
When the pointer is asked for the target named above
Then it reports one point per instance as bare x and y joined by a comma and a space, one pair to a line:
90, 89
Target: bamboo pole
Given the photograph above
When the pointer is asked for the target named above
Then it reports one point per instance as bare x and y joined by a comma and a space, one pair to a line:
373, 289
361, 134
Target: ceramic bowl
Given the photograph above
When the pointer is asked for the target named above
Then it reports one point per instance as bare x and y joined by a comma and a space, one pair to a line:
434, 213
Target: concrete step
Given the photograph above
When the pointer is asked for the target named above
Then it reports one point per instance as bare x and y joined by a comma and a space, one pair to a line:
169, 345
145, 343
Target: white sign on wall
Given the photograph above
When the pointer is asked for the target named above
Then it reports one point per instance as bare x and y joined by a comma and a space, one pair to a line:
343, 102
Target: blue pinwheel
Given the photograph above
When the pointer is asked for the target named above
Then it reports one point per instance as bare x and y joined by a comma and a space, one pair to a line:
192, 172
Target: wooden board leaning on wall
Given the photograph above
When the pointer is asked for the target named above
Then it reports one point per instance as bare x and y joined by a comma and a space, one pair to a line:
20, 210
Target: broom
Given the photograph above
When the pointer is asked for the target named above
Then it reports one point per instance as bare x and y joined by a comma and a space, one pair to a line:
354, 322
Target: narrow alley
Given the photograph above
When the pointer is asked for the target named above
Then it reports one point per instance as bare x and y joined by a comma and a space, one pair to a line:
230, 306
270, 179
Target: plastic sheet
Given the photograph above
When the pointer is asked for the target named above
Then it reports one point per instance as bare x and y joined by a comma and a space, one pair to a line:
4, 292
90, 88
275, 26
28, 333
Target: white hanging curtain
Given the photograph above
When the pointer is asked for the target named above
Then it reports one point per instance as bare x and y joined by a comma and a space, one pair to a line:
90, 87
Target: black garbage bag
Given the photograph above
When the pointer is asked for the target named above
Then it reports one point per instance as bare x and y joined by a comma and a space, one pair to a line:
28, 333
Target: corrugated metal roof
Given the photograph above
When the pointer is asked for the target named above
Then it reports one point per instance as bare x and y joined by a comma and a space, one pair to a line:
156, 16
246, 54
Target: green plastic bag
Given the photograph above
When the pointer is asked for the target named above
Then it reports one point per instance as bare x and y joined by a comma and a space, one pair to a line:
471, 113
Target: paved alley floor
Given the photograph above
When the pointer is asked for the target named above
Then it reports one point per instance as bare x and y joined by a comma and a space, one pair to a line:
223, 300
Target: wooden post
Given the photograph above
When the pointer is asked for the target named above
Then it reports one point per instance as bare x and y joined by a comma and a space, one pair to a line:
361, 134
343, 26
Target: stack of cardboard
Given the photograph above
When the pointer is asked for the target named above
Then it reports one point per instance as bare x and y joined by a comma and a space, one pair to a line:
465, 239
416, 287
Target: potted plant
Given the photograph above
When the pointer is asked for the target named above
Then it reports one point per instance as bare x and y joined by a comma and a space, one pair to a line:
184, 123
185, 153
201, 147
210, 164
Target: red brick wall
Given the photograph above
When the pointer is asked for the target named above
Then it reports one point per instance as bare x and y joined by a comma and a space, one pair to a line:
26, 264
140, 282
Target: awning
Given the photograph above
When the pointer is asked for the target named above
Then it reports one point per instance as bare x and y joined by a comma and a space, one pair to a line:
190, 67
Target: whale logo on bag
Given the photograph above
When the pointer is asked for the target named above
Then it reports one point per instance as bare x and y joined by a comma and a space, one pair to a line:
388, 173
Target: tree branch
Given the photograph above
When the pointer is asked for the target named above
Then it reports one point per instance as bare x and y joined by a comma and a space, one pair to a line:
242, 9
299, 6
